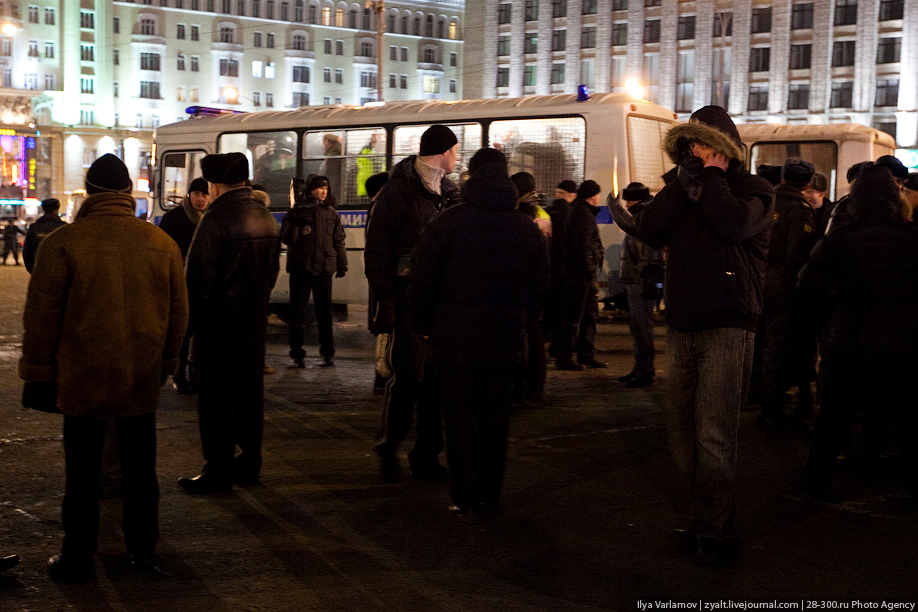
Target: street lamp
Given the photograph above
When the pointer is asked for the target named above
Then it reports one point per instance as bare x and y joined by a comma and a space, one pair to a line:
9, 29
231, 95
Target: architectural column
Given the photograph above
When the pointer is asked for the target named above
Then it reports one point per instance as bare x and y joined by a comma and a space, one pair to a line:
907, 116
603, 45
739, 57
779, 72
543, 67
517, 32
572, 52
821, 65
704, 53
669, 53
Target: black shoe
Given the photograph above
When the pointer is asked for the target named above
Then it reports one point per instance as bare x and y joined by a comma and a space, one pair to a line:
204, 484
65, 570
429, 470
469, 516
569, 365
627, 377
182, 387
327, 362
639, 382
298, 363
593, 364
9, 562
389, 467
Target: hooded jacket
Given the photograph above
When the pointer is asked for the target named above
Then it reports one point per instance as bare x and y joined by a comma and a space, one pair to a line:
314, 237
478, 276
106, 311
231, 267
403, 208
716, 246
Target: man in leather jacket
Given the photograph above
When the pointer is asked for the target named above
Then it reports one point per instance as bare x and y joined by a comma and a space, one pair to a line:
417, 190
231, 267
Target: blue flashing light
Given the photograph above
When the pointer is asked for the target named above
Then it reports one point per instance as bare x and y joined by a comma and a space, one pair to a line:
208, 111
583, 94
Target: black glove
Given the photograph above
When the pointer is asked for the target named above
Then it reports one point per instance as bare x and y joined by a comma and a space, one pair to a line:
384, 320
340, 273
689, 176
41, 396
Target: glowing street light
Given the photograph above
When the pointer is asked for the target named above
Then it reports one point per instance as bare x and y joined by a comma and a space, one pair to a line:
634, 88
9, 29
230, 94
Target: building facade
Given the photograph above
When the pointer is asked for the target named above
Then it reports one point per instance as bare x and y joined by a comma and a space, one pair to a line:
97, 76
789, 61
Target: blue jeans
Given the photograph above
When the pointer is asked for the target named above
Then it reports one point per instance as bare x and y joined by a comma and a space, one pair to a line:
640, 323
707, 378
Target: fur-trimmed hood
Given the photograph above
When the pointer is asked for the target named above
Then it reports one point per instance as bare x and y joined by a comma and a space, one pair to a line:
703, 133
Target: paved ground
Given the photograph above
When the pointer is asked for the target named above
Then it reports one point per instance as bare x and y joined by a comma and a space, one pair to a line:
589, 497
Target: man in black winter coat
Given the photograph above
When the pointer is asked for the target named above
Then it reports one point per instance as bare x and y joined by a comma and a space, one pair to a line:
861, 285
565, 194
314, 236
43, 226
180, 223
784, 348
582, 257
714, 218
639, 263
417, 190
478, 276
231, 267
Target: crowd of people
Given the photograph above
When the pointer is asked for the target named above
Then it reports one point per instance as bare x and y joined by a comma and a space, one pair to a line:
471, 291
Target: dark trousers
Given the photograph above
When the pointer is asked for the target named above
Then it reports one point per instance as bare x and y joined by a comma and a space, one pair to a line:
7, 251
301, 285
881, 394
231, 413
529, 377
640, 323
787, 356
411, 385
476, 410
83, 442
578, 322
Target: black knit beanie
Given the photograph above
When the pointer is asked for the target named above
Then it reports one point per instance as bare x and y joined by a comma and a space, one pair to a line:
375, 183
568, 186
225, 169
588, 189
717, 118
437, 139
797, 171
484, 156
635, 192
108, 174
198, 184
316, 182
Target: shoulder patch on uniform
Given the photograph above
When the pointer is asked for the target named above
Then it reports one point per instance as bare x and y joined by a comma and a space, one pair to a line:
807, 228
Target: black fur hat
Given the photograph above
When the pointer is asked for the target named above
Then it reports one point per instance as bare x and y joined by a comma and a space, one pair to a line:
225, 169
635, 192
797, 171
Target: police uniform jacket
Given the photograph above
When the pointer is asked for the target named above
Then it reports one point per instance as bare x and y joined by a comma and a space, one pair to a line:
314, 237
792, 237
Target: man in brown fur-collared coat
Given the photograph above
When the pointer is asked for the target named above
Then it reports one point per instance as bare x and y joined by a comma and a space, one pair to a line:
105, 316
